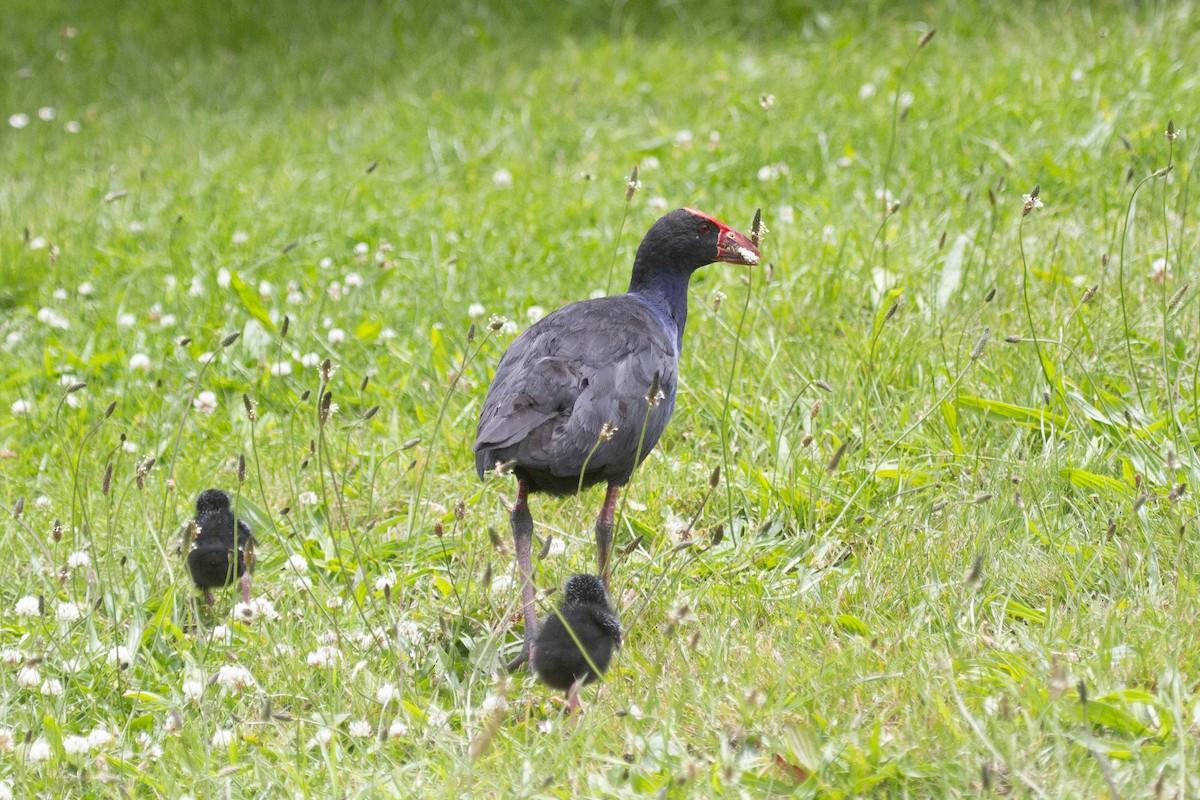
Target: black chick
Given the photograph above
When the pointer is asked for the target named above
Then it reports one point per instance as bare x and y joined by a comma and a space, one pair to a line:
557, 659
213, 539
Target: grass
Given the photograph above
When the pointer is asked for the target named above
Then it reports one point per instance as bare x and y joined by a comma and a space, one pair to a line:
967, 567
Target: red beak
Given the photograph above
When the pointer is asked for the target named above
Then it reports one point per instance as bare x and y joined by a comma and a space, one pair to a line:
735, 248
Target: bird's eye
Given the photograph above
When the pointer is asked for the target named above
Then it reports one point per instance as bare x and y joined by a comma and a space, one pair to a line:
704, 228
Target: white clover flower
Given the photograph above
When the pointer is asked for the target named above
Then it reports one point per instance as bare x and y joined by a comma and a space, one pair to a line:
334, 290
265, 288
320, 738
475, 310
52, 687
193, 690
353, 280
436, 717
73, 666
243, 612
297, 563
21, 408
28, 606
361, 729
7, 741
509, 328
67, 612
397, 728
29, 677
205, 402
308, 359
40, 750
684, 139
361, 249
222, 634
786, 214
79, 560
302, 583
99, 737
387, 693
657, 204
494, 702
281, 369
326, 262
387, 333
385, 582
336, 336
502, 583
224, 278
196, 287
39, 243
534, 313
129, 447
222, 737
75, 745
166, 320
72, 127
324, 657
235, 677
11, 656
334, 603
18, 120
240, 237
502, 178
308, 498
119, 657
264, 608
86, 289
52, 319
139, 362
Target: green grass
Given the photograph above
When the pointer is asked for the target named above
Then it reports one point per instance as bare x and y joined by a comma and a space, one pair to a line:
1002, 527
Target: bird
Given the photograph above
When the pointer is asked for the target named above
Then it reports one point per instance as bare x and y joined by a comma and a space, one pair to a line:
582, 396
212, 539
576, 644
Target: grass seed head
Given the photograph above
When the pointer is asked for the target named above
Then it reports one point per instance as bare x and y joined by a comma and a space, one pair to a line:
632, 184
977, 350
106, 484
283, 329
927, 38
251, 408
19, 507
241, 467
230, 339
1175, 298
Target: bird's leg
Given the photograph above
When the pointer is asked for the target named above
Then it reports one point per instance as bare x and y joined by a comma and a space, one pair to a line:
244, 583
522, 529
208, 597
604, 529
573, 697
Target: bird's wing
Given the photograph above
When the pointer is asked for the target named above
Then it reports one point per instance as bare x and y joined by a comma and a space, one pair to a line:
561, 381
607, 622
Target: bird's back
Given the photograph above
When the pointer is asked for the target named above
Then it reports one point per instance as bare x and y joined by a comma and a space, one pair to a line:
585, 366
557, 659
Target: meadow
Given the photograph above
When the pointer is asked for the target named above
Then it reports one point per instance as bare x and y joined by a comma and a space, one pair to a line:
951, 549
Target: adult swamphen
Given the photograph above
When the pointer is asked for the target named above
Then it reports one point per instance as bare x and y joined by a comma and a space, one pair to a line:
582, 396
213, 538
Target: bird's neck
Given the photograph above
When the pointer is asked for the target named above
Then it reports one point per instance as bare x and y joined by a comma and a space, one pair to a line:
665, 292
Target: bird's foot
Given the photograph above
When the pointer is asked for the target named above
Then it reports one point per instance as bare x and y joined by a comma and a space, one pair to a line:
521, 658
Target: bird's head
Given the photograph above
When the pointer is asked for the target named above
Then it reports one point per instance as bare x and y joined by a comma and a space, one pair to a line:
211, 500
586, 589
691, 239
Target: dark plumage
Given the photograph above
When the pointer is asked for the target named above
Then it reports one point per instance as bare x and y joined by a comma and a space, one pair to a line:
214, 538
557, 658
590, 365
